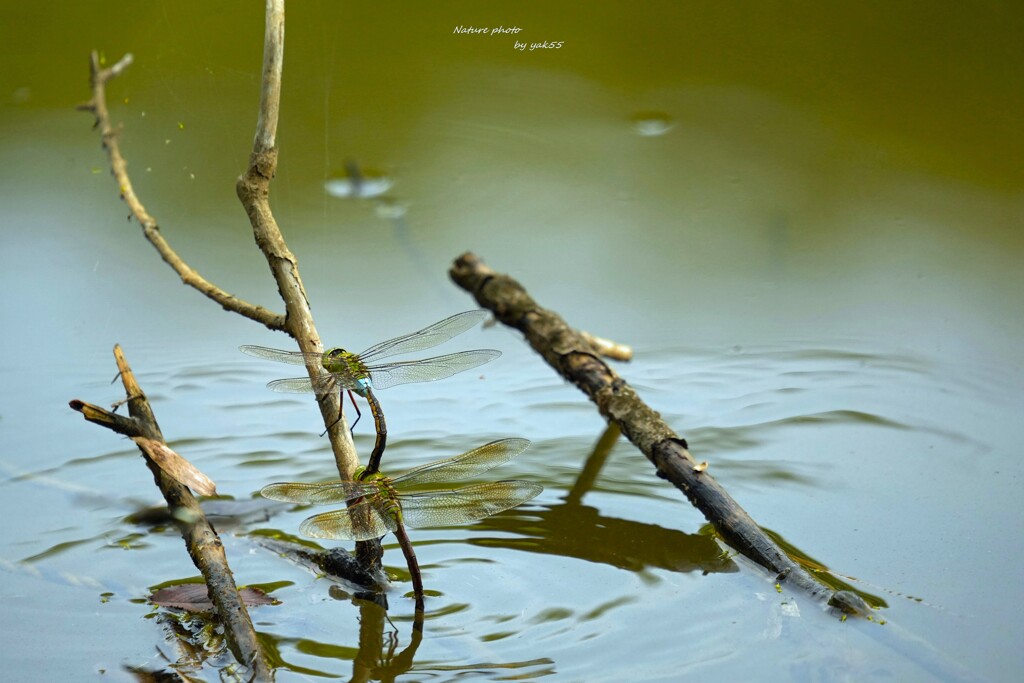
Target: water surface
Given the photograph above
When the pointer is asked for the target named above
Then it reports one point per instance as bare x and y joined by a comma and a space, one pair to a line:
806, 220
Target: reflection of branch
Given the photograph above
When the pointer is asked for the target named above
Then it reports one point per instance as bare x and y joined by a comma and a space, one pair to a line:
578, 531
200, 538
372, 662
574, 359
592, 468
377, 659
119, 167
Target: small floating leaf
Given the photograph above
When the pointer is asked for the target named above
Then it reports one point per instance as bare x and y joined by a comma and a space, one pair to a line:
193, 597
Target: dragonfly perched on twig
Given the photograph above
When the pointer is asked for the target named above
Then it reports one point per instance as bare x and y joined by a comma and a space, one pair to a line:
387, 507
363, 373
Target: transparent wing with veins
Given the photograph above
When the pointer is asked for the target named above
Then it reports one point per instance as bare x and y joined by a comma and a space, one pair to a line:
319, 494
386, 375
428, 369
290, 357
359, 522
466, 504
461, 466
375, 516
428, 337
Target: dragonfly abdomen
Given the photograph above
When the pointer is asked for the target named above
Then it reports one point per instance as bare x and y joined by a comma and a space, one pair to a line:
392, 507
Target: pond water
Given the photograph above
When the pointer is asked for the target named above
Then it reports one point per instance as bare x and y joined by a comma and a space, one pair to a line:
806, 221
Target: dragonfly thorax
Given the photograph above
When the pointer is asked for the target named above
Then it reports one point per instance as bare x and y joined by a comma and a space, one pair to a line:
376, 478
386, 495
338, 361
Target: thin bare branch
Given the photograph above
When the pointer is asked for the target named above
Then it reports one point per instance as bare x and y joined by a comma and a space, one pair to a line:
253, 190
273, 65
119, 167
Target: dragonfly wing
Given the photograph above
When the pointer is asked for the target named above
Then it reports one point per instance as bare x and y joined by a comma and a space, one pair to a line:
359, 522
428, 369
295, 385
325, 384
447, 508
428, 337
318, 494
291, 357
466, 465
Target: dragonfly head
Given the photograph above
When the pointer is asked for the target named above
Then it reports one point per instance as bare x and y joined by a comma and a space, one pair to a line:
336, 358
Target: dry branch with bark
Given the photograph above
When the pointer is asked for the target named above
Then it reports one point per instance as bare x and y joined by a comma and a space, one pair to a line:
201, 540
577, 359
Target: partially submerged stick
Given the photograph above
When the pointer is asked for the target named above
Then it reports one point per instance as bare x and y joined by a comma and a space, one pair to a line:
578, 361
204, 546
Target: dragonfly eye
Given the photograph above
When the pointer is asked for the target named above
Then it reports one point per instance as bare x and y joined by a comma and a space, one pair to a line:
337, 353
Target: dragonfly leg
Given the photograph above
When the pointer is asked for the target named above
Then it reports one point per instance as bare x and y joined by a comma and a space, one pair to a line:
358, 413
341, 414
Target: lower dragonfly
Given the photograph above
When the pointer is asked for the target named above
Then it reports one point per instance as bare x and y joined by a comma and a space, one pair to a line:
386, 507
363, 374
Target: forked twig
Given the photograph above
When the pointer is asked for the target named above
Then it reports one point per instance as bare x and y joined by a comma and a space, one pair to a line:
119, 168
253, 189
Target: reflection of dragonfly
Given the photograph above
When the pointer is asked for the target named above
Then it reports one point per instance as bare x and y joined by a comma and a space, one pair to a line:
357, 184
362, 373
385, 506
